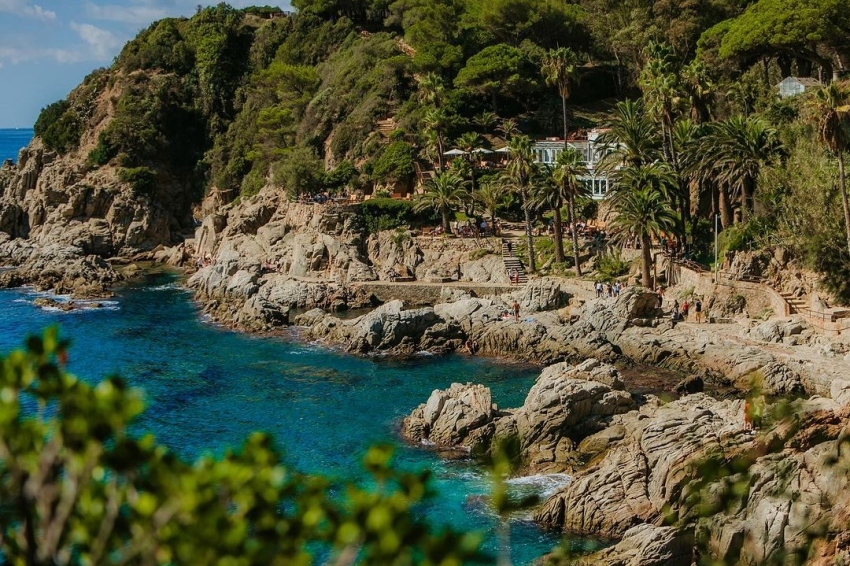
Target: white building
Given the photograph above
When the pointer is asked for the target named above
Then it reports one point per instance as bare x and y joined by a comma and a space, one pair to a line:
546, 152
792, 86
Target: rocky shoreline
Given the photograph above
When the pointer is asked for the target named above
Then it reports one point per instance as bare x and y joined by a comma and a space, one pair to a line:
637, 461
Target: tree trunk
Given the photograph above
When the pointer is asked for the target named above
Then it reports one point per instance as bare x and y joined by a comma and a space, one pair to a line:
576, 254
564, 112
527, 210
646, 252
559, 233
726, 218
746, 198
842, 185
447, 228
440, 152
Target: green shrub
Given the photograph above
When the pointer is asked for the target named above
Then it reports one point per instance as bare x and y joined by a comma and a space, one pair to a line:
395, 164
103, 151
609, 266
385, 213
142, 179
59, 127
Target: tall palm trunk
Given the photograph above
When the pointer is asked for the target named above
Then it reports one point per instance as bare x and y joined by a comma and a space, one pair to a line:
746, 198
576, 254
440, 161
564, 113
725, 206
646, 252
842, 185
526, 207
558, 224
447, 228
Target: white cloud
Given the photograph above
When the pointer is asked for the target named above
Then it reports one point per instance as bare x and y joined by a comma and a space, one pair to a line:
102, 43
136, 15
24, 8
16, 55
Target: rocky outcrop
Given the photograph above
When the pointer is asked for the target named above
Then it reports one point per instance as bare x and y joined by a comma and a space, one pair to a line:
296, 255
564, 405
646, 545
57, 268
740, 499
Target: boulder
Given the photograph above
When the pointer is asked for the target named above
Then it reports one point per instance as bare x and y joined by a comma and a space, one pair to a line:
647, 545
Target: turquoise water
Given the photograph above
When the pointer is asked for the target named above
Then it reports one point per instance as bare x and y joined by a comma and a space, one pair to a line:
11, 141
207, 388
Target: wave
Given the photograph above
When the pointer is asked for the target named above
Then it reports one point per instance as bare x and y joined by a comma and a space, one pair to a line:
167, 287
542, 484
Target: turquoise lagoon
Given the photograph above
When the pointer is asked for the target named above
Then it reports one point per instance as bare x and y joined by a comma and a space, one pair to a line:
207, 388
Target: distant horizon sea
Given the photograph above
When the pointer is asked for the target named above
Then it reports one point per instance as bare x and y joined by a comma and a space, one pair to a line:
11, 142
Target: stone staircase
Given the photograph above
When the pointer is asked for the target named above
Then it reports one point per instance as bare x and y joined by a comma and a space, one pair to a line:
512, 261
387, 126
796, 304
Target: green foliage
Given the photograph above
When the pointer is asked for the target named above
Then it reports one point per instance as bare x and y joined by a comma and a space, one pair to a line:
86, 491
609, 266
143, 180
59, 126
498, 71
300, 172
380, 214
790, 27
395, 164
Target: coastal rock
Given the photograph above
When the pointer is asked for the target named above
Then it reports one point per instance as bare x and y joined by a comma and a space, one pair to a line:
641, 473
61, 269
774, 331
451, 418
646, 545
565, 403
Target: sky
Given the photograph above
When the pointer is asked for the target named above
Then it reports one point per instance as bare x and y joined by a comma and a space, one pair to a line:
47, 47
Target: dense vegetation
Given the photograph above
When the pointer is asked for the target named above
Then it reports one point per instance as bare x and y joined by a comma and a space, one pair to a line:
237, 99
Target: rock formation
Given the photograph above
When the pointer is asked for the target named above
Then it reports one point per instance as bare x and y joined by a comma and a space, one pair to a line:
564, 405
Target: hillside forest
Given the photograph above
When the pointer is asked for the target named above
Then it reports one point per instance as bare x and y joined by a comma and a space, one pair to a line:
234, 100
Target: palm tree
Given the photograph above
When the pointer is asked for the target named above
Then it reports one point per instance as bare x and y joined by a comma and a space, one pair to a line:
642, 214
832, 108
560, 69
445, 193
520, 171
485, 120
736, 150
491, 196
469, 142
699, 90
436, 123
567, 172
546, 195
431, 89
661, 88
631, 138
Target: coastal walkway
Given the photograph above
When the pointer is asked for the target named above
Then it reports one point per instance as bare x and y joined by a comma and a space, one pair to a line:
831, 321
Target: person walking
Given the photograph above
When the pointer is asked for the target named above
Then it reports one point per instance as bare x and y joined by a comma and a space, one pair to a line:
685, 306
698, 311
515, 307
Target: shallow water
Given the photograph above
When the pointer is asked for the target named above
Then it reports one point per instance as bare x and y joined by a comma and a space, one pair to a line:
207, 388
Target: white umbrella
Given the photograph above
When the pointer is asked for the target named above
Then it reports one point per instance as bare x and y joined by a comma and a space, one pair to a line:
505, 149
454, 152
481, 150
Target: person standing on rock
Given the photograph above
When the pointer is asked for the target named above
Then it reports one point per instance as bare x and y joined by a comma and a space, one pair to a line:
685, 307
515, 307
698, 311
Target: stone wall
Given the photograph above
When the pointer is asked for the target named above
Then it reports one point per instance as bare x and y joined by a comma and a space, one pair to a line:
418, 294
759, 298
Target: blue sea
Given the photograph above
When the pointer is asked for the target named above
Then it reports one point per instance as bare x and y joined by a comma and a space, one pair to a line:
11, 142
207, 388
